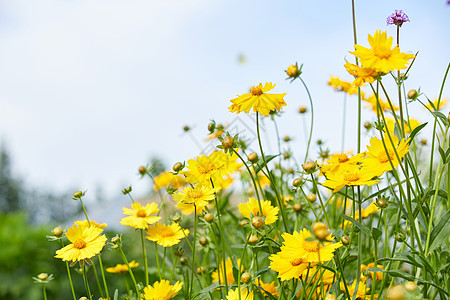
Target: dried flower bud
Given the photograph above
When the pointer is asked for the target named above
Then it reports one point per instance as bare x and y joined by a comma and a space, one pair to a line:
252, 157
42, 276
311, 198
297, 207
292, 71
209, 217
142, 170
227, 142
302, 109
411, 286
179, 252
177, 167
412, 94
245, 277
253, 239
257, 222
345, 240
297, 182
57, 231
203, 240
309, 167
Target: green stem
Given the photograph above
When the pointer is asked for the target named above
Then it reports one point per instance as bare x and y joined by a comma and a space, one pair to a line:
144, 254
103, 276
124, 258
86, 283
96, 279
44, 291
193, 252
312, 118
157, 261
320, 199
70, 277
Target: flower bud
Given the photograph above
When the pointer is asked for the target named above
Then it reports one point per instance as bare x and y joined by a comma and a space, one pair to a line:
309, 167
411, 286
78, 194
227, 142
176, 218
183, 260
366, 273
330, 297
320, 230
257, 222
423, 141
42, 276
253, 239
179, 252
302, 109
324, 154
345, 240
177, 167
211, 127
311, 198
297, 207
252, 157
292, 71
200, 270
297, 182
287, 155
396, 292
209, 217
381, 202
186, 128
115, 247
203, 240
319, 142
243, 222
287, 139
83, 298
367, 125
127, 190
142, 170
57, 231
245, 277
412, 94
115, 239
400, 237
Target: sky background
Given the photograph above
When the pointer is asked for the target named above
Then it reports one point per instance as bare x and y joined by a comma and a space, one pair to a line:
90, 90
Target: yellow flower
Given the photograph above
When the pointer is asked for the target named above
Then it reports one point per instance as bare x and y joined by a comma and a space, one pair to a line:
435, 104
365, 213
381, 57
86, 242
122, 268
266, 288
409, 126
384, 106
379, 275
229, 271
298, 252
258, 100
377, 159
166, 235
166, 179
140, 216
85, 223
349, 175
342, 86
362, 75
234, 294
214, 135
252, 208
162, 290
362, 290
200, 195
336, 160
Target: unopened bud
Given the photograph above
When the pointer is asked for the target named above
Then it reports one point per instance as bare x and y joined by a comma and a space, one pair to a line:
309, 167
292, 71
176, 218
297, 207
57, 231
83, 298
252, 157
201, 270
411, 286
311, 198
243, 223
400, 237
115, 239
412, 94
257, 222
396, 292
183, 260
423, 141
115, 247
209, 217
367, 125
203, 240
381, 202
227, 142
287, 139
253, 239
42, 276
286, 155
177, 167
302, 109
142, 170
211, 126
127, 190
245, 277
186, 128
297, 182
345, 240
320, 230
330, 297
78, 194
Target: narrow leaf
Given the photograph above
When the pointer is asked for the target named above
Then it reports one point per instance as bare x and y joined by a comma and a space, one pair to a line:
440, 231
361, 227
416, 131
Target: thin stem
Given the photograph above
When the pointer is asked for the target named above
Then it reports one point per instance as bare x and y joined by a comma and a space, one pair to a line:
129, 270
70, 277
44, 291
103, 276
312, 118
193, 252
86, 283
144, 254
344, 113
157, 260
320, 199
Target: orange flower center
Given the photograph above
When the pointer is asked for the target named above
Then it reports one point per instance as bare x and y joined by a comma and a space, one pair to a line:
166, 232
194, 194
256, 90
296, 262
351, 177
312, 246
383, 158
342, 158
206, 167
141, 213
79, 244
382, 52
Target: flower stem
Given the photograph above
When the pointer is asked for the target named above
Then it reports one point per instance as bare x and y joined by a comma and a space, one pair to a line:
86, 283
157, 260
70, 277
144, 254
193, 252
320, 199
103, 276
44, 291
124, 258
312, 118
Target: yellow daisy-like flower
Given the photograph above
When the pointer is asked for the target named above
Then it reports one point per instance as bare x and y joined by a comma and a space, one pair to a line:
258, 100
409, 126
166, 179
234, 294
435, 104
265, 288
218, 274
166, 235
252, 208
85, 223
162, 290
384, 106
298, 252
86, 242
202, 169
379, 275
381, 57
342, 86
336, 160
362, 75
377, 159
200, 195
349, 175
122, 268
140, 216
362, 290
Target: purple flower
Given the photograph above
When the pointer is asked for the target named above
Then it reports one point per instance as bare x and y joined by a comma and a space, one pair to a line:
397, 18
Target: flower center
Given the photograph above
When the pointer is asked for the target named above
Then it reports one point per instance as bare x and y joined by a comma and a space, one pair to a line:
206, 167
256, 90
141, 213
166, 233
79, 244
383, 158
342, 158
351, 177
311, 246
194, 194
382, 52
296, 262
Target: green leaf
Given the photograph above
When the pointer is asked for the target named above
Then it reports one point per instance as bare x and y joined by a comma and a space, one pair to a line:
209, 288
376, 269
438, 114
415, 132
261, 162
116, 294
441, 152
361, 227
376, 233
440, 231
402, 259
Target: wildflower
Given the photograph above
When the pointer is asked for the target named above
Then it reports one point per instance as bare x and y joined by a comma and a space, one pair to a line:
373, 104
397, 18
122, 268
86, 242
412, 94
199, 195
293, 71
298, 252
217, 275
433, 105
244, 294
342, 86
252, 208
258, 100
381, 57
320, 276
166, 179
409, 126
411, 286
349, 175
378, 275
333, 164
214, 135
85, 223
267, 288
162, 290
379, 159
166, 235
57, 231
140, 216
362, 290
245, 277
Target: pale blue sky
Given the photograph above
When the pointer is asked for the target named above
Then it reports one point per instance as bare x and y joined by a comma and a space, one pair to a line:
89, 90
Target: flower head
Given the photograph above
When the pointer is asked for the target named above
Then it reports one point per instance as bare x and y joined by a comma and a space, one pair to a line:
342, 86
86, 242
380, 56
162, 290
266, 288
349, 175
397, 18
252, 208
217, 275
436, 105
373, 104
85, 223
166, 235
140, 216
362, 75
259, 100
362, 289
333, 164
166, 179
194, 198
122, 268
244, 294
